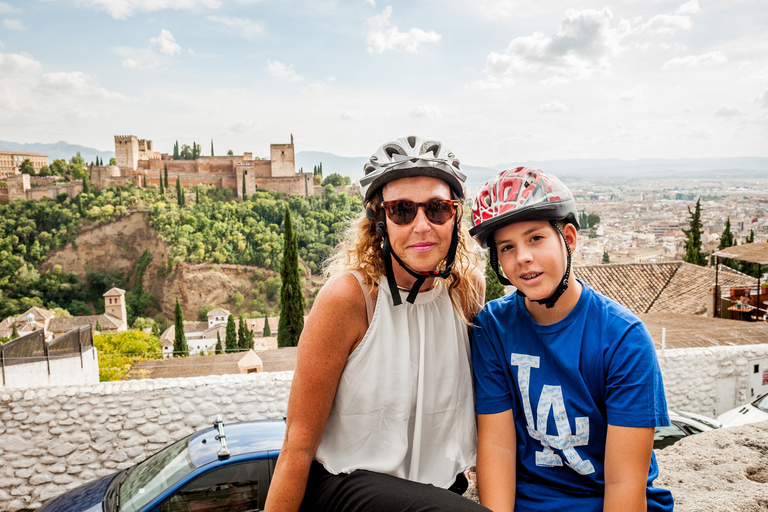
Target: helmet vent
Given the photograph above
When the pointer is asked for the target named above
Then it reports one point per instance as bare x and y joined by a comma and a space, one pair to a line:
433, 147
411, 141
394, 150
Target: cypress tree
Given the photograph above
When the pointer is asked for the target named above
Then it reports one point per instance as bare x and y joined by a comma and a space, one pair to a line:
98, 326
176, 150
212, 148
86, 183
218, 349
197, 195
230, 339
291, 298
14, 333
243, 186
166, 176
606, 258
727, 240
248, 337
80, 207
267, 331
145, 181
693, 252
162, 189
179, 192
180, 348
241, 341
493, 288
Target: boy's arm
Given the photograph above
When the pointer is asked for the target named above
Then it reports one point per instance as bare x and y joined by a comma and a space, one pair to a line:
496, 459
627, 459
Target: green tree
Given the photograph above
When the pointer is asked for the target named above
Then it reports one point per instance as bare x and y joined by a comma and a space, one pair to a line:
166, 177
291, 297
180, 348
14, 333
333, 179
218, 349
162, 189
98, 326
58, 167
693, 252
593, 220
727, 240
26, 167
606, 258
493, 288
243, 186
86, 184
176, 150
180, 199
267, 331
197, 195
144, 182
112, 161
748, 268
241, 338
230, 339
212, 148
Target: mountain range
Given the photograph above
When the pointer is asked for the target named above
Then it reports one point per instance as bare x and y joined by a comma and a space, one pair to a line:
655, 168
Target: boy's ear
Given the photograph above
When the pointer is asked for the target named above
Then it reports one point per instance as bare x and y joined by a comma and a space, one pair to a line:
571, 235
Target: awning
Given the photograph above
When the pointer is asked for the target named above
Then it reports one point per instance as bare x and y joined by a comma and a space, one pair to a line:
752, 253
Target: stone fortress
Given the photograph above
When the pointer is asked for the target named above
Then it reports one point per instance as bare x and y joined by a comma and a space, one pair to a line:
137, 160
137, 163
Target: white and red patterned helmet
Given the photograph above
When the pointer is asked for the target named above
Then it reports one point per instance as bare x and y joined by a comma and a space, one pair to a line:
517, 195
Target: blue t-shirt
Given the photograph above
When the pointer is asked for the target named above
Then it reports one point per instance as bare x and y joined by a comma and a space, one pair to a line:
565, 383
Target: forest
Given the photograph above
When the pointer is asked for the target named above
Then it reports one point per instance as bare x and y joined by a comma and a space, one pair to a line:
210, 227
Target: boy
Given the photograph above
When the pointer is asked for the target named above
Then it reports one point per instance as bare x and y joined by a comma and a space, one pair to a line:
567, 383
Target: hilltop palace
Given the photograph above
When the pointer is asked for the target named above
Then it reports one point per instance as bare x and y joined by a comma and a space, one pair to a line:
138, 164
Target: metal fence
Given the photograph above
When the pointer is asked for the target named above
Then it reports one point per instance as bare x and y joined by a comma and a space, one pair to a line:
32, 348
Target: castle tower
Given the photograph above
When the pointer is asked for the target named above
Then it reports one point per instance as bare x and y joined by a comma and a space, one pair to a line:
282, 160
127, 151
114, 305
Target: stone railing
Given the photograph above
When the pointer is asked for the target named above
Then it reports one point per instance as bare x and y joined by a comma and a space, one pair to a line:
54, 439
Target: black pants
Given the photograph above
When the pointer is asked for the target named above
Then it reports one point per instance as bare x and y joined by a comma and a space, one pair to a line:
366, 491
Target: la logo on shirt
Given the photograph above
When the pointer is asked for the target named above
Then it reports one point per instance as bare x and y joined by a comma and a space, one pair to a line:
551, 399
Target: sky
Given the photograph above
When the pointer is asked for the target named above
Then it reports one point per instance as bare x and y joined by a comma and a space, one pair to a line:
496, 80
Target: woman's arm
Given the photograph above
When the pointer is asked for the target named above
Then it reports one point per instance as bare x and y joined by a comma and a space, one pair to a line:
627, 459
336, 323
496, 460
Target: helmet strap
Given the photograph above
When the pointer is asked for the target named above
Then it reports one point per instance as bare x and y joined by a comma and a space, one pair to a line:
495, 264
388, 254
550, 301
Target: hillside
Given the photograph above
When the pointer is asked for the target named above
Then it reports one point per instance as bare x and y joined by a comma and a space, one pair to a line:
120, 244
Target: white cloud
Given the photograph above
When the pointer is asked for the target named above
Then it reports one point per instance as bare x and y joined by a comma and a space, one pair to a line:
166, 42
583, 42
315, 88
138, 58
424, 111
383, 36
6, 7
242, 125
280, 70
75, 83
692, 61
665, 24
763, 99
242, 27
351, 115
371, 2
728, 111
691, 7
635, 93
122, 9
18, 64
14, 24
553, 107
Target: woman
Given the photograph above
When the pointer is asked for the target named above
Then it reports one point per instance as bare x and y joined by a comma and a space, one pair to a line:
381, 413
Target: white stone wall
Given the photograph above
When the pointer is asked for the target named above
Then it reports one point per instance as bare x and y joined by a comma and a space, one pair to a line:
64, 371
54, 439
713, 380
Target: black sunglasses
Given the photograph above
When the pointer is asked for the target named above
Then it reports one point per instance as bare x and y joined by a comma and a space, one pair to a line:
402, 212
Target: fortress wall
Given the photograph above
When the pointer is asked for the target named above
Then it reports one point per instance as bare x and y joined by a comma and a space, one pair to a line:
54, 439
282, 159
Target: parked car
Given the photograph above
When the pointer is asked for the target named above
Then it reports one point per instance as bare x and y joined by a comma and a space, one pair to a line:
752, 412
682, 424
215, 469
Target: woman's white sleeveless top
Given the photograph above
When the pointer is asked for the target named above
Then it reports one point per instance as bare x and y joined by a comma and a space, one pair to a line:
404, 405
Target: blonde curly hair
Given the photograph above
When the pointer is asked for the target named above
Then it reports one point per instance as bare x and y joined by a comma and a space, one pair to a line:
360, 249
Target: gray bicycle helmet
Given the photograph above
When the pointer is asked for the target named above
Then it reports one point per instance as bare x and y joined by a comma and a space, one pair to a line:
411, 156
